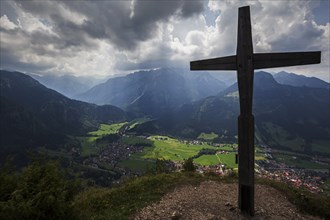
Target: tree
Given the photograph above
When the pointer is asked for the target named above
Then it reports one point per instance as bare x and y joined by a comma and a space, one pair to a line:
188, 165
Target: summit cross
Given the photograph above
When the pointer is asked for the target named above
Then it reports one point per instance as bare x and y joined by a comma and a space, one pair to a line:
245, 62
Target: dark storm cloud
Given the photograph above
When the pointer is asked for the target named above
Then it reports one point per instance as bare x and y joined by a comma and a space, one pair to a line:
9, 60
123, 23
127, 25
191, 7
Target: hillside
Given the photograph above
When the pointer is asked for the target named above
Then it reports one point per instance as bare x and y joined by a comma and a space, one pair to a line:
193, 196
154, 92
33, 115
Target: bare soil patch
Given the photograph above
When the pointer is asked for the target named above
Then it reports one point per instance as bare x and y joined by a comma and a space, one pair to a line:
218, 201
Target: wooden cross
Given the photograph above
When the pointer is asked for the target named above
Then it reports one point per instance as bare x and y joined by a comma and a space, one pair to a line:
245, 62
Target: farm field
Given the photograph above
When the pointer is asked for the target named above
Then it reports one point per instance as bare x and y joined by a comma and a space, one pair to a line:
168, 148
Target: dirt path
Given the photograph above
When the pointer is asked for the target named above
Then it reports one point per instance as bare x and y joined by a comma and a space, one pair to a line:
218, 201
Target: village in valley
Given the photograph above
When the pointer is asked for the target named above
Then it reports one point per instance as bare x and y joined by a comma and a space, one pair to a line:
129, 155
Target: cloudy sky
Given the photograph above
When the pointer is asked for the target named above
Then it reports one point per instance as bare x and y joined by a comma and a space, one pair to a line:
103, 38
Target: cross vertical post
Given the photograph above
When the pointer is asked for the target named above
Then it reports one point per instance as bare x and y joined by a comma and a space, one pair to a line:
245, 62
245, 120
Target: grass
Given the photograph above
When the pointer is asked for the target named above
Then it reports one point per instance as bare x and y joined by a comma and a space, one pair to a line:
207, 136
228, 159
124, 201
208, 160
106, 129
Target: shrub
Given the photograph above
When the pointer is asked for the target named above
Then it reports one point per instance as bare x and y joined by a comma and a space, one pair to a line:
41, 192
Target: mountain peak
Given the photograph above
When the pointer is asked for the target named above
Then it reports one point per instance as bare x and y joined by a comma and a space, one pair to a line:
264, 75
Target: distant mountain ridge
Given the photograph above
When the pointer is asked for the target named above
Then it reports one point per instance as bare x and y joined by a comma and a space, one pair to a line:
154, 92
67, 85
300, 80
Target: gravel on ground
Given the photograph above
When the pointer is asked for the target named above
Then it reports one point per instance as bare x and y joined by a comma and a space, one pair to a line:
218, 201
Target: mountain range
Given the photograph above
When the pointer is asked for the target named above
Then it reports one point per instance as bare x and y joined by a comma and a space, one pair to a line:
180, 103
33, 115
67, 85
154, 92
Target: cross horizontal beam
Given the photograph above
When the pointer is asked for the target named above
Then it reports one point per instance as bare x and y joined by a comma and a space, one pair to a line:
271, 60
225, 63
260, 61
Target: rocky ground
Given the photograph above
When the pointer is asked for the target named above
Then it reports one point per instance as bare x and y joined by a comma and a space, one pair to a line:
218, 201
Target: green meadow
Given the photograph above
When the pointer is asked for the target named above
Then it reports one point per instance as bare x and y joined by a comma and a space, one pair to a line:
106, 129
88, 142
172, 149
227, 159
207, 160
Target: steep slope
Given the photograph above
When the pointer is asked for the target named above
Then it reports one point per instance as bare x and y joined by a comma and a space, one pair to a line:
33, 115
300, 80
154, 92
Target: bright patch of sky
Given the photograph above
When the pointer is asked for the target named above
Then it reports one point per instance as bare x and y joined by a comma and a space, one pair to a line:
103, 38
